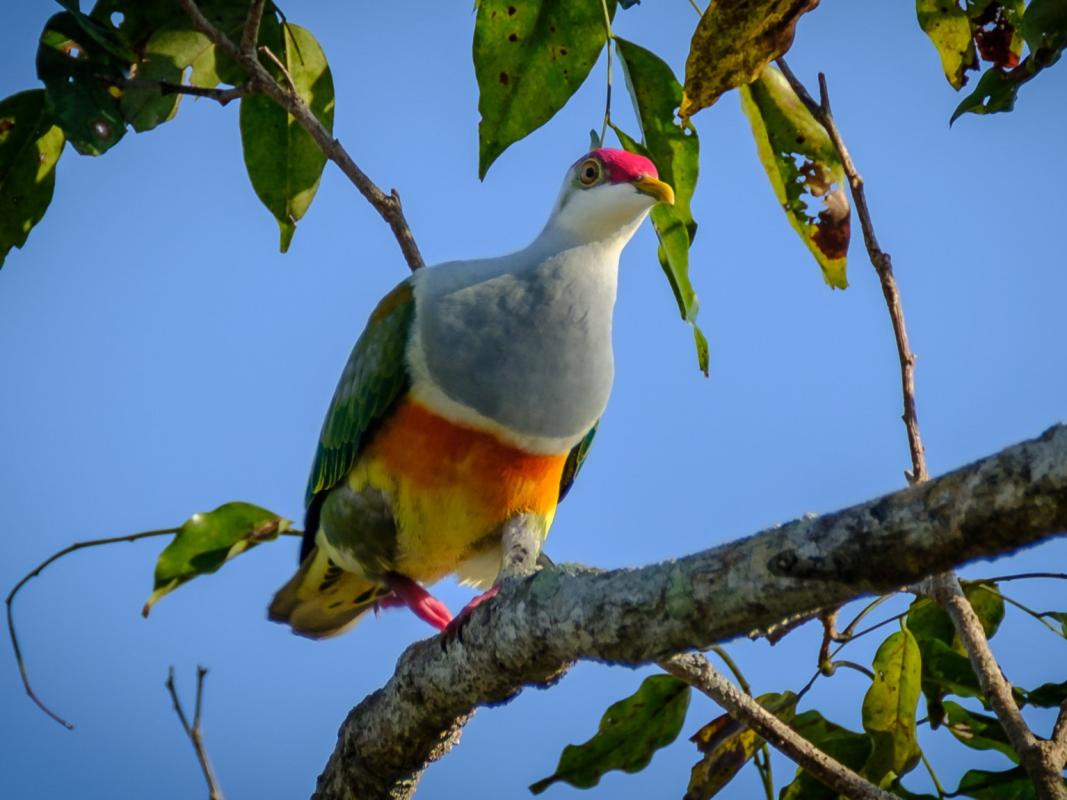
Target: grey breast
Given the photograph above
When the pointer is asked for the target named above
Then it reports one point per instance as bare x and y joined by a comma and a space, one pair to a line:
527, 346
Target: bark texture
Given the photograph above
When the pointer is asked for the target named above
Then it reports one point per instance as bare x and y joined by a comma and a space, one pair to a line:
538, 626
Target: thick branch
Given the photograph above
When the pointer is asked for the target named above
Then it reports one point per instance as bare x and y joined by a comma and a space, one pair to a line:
697, 672
537, 626
387, 205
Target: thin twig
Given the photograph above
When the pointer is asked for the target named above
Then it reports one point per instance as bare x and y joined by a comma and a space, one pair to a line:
387, 205
220, 96
833, 665
933, 775
608, 41
193, 730
282, 68
250, 34
698, 673
1022, 576
133, 537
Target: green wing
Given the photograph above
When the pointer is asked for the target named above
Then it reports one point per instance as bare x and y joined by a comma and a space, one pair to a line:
375, 376
574, 461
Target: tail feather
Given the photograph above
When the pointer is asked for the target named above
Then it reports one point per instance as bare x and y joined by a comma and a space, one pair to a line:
322, 600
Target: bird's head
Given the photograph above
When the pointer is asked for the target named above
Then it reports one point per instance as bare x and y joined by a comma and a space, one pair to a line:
606, 194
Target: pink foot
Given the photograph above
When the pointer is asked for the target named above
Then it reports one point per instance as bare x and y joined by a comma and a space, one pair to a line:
422, 604
462, 616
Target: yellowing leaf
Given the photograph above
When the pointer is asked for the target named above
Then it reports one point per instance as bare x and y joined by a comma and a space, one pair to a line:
804, 169
30, 146
949, 28
207, 541
728, 745
732, 44
630, 731
889, 707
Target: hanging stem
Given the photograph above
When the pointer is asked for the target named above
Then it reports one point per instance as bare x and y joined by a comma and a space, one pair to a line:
610, 36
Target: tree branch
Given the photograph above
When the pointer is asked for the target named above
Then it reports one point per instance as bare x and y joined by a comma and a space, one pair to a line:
536, 627
220, 96
1039, 760
193, 730
387, 205
698, 673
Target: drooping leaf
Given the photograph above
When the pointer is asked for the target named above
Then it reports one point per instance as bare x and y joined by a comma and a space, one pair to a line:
529, 58
850, 748
30, 146
804, 169
1012, 784
630, 731
732, 44
727, 745
74, 69
675, 150
207, 541
949, 671
1044, 27
980, 731
889, 707
1047, 695
949, 28
284, 163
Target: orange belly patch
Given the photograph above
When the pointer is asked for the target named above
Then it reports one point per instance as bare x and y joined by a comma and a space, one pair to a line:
451, 486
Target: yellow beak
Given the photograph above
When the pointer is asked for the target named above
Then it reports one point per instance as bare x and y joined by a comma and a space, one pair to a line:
655, 188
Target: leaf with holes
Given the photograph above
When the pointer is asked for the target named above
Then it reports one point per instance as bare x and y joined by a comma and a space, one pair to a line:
889, 707
675, 150
284, 163
529, 58
804, 169
630, 731
850, 748
74, 69
978, 731
949, 28
207, 541
30, 146
727, 745
733, 42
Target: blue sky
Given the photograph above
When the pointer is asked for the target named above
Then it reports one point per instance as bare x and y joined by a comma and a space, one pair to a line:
158, 356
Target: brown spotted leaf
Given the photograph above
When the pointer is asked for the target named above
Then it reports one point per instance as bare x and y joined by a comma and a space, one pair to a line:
949, 28
804, 169
727, 745
529, 58
732, 44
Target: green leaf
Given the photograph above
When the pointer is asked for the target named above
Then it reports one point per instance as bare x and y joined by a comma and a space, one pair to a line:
284, 163
804, 169
1047, 695
74, 69
1012, 784
733, 42
1044, 26
949, 671
30, 146
630, 731
728, 745
207, 541
675, 150
167, 55
529, 58
949, 28
1061, 618
979, 731
850, 748
889, 707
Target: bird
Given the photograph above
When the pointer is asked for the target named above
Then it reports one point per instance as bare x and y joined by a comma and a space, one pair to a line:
472, 396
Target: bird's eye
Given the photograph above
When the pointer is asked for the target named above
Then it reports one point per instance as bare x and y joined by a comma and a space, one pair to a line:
589, 172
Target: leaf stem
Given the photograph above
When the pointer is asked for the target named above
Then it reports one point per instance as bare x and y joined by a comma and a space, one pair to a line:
193, 730
133, 537
933, 775
609, 38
